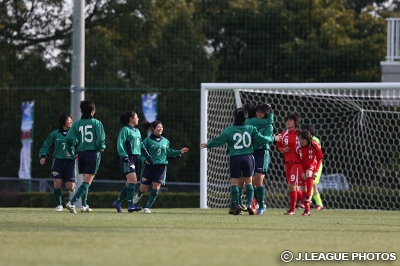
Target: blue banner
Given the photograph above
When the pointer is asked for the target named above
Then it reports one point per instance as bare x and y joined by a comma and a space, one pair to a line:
149, 106
26, 139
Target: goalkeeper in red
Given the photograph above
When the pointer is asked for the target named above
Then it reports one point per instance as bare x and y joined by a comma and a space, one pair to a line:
240, 138
311, 161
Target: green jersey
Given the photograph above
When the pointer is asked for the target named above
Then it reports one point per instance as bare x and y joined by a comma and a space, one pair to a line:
88, 134
159, 149
58, 139
129, 142
264, 126
240, 139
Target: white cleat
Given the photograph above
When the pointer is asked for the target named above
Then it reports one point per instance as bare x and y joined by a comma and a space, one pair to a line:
136, 198
59, 208
70, 207
147, 210
86, 209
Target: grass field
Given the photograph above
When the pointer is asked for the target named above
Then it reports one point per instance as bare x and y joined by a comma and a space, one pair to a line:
190, 237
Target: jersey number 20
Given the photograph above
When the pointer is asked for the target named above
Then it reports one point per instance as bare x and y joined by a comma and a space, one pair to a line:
240, 139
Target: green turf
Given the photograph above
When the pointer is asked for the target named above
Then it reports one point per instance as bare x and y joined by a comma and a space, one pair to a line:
190, 237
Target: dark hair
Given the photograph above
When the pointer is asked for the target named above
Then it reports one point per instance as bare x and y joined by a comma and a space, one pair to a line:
62, 118
305, 134
266, 108
147, 125
240, 116
309, 127
295, 117
251, 110
87, 107
124, 117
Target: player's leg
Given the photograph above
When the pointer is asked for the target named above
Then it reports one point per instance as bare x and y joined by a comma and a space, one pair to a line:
293, 173
56, 174
247, 169
317, 196
235, 172
121, 197
158, 175
57, 193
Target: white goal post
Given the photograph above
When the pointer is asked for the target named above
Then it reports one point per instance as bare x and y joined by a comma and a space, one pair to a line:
358, 125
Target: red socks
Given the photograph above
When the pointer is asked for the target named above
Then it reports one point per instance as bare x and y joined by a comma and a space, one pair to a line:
293, 200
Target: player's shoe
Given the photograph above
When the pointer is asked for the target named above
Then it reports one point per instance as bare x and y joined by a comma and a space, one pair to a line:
230, 211
260, 211
70, 207
306, 213
300, 205
319, 208
244, 208
136, 198
250, 210
59, 208
86, 209
117, 206
134, 208
147, 210
237, 210
289, 212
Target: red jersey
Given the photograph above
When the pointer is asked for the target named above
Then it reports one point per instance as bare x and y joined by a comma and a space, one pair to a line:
290, 139
311, 157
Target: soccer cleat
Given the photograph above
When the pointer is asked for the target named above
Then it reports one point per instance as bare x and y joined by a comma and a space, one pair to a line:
300, 205
319, 208
136, 198
70, 207
306, 213
243, 208
230, 211
147, 210
86, 209
59, 208
134, 208
289, 213
237, 210
250, 210
260, 211
117, 206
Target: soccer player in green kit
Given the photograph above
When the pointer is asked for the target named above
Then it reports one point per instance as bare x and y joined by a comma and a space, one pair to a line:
159, 149
316, 195
63, 165
130, 147
263, 120
89, 135
239, 138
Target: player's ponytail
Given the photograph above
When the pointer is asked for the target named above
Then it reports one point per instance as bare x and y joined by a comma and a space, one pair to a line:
124, 117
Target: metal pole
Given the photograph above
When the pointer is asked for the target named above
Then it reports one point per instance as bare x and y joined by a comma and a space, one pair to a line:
78, 70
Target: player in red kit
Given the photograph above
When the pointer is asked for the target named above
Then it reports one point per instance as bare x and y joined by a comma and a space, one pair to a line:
311, 156
289, 146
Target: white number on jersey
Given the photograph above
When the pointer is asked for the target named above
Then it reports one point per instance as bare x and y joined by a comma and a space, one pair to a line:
244, 139
87, 135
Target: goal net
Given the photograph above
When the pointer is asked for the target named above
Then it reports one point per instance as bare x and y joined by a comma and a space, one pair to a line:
357, 123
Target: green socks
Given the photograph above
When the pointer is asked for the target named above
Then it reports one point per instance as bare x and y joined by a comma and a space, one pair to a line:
235, 195
82, 190
260, 192
249, 193
152, 198
130, 192
122, 195
57, 195
240, 196
318, 200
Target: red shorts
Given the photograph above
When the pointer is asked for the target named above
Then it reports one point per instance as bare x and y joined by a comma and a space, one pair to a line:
293, 174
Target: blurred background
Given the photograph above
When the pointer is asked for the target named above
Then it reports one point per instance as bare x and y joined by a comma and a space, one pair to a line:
170, 47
